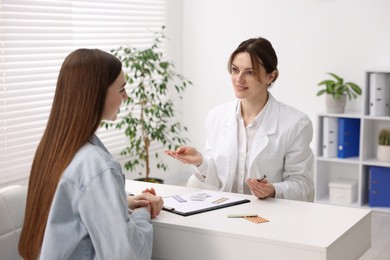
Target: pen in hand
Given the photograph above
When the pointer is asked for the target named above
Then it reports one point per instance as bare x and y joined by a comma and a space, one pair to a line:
262, 178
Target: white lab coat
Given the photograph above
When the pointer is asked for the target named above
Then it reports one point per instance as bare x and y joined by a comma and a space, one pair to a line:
280, 150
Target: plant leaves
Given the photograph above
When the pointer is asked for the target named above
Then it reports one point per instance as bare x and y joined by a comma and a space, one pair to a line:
153, 84
336, 87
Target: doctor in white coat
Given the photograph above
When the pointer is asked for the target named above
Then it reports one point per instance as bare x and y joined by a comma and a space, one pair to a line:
255, 135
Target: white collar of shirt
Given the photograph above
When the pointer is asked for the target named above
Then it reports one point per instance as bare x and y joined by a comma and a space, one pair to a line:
259, 117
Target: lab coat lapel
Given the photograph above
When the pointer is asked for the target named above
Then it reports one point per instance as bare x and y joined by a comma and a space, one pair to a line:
267, 128
229, 135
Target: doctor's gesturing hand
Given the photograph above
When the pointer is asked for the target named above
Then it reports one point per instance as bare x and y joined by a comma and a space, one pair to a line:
187, 155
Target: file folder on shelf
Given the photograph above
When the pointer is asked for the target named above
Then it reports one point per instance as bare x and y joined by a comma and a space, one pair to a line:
329, 137
379, 94
379, 192
348, 137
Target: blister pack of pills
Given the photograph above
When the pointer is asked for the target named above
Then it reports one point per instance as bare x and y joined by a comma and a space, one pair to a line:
199, 196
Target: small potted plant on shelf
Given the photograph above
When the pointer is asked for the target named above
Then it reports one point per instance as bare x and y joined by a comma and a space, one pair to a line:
336, 91
150, 111
383, 151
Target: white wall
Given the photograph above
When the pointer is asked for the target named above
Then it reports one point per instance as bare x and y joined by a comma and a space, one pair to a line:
311, 37
177, 173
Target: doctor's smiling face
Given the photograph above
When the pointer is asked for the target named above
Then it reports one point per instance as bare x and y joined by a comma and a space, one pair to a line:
248, 83
253, 68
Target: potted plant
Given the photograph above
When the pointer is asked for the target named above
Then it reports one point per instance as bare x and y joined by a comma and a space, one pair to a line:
150, 111
383, 151
336, 91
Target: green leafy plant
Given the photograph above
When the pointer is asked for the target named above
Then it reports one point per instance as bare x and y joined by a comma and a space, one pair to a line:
337, 87
384, 137
150, 111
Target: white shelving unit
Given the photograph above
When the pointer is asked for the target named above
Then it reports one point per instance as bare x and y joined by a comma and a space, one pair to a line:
354, 168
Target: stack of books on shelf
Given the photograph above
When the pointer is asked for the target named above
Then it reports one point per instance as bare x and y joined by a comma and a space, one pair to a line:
340, 137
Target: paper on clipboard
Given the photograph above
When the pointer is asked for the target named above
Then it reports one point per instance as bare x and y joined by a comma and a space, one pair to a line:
187, 205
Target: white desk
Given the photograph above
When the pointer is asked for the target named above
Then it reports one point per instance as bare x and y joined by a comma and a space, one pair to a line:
297, 230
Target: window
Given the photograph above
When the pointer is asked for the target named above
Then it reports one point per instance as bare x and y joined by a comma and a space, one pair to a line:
35, 37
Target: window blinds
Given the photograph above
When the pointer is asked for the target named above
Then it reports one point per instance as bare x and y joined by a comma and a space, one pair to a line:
35, 37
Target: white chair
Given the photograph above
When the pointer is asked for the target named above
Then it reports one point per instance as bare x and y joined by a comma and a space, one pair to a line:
12, 207
193, 182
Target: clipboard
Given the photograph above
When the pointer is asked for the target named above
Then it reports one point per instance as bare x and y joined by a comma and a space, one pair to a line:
200, 201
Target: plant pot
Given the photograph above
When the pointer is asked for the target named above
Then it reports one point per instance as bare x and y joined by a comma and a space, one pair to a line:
335, 105
383, 153
151, 180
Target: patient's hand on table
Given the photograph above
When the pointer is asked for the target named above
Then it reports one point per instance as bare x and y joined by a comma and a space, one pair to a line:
147, 199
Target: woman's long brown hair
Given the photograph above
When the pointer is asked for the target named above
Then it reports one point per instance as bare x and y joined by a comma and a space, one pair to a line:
76, 113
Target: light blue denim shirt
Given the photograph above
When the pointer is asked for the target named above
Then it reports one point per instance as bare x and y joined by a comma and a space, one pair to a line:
89, 217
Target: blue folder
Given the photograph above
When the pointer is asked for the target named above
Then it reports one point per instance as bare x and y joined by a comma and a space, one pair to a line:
379, 193
348, 137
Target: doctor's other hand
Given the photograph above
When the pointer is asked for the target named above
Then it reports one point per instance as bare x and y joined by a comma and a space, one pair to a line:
152, 202
187, 155
261, 189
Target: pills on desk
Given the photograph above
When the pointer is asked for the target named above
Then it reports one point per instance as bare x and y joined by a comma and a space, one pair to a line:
241, 215
257, 219
199, 196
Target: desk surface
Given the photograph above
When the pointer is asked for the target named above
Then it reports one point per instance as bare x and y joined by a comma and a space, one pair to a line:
306, 229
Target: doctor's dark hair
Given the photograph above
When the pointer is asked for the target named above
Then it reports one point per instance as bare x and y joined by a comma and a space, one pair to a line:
262, 54
77, 110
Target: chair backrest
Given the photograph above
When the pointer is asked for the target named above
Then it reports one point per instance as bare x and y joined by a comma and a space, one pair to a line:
12, 207
193, 182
